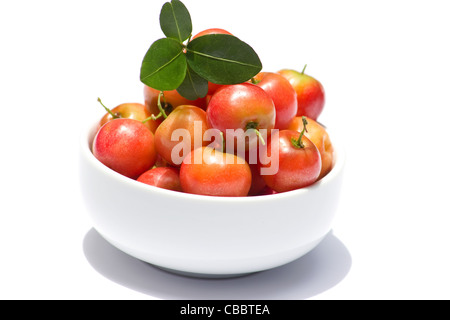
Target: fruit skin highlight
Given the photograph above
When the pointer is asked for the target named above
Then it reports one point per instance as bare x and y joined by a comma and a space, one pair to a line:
319, 136
162, 177
242, 106
299, 166
217, 174
283, 95
126, 146
182, 117
136, 111
310, 93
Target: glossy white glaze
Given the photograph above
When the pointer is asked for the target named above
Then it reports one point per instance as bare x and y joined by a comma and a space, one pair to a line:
213, 236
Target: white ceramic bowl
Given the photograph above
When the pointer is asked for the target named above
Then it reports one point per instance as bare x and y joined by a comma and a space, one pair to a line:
202, 235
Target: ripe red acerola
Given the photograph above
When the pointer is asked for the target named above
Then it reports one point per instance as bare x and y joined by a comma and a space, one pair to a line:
126, 146
207, 171
310, 93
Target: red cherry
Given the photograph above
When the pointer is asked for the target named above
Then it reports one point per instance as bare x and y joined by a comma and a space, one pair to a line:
126, 146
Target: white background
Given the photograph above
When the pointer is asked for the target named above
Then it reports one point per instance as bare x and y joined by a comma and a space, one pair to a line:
384, 66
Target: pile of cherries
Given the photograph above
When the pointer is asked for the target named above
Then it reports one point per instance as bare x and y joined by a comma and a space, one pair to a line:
182, 145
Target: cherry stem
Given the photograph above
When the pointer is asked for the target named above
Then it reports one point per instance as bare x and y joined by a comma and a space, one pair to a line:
254, 81
304, 68
299, 143
252, 125
161, 109
153, 117
260, 137
114, 116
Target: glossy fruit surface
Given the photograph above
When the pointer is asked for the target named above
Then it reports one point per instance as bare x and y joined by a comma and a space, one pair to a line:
172, 99
136, 111
206, 171
310, 93
180, 130
298, 167
283, 95
126, 146
319, 136
162, 177
243, 106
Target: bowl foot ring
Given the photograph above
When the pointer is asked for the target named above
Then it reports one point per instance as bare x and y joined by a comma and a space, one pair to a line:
203, 275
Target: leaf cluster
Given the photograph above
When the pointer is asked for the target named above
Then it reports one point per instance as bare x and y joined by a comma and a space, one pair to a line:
177, 62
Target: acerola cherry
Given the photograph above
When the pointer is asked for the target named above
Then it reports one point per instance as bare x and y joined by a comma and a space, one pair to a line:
189, 118
207, 171
319, 136
282, 94
170, 101
242, 106
211, 31
299, 161
310, 93
136, 111
162, 177
161, 162
126, 146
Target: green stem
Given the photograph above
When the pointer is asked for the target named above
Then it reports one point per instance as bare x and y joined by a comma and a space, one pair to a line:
153, 117
254, 81
260, 137
114, 116
189, 40
304, 68
161, 109
252, 125
299, 143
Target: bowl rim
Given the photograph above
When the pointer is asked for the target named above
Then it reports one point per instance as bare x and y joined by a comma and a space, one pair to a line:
88, 133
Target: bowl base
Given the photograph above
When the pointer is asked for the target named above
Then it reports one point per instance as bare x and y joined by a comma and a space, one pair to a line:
203, 275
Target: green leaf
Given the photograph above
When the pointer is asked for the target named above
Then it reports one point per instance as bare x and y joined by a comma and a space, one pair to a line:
175, 21
223, 59
193, 86
164, 65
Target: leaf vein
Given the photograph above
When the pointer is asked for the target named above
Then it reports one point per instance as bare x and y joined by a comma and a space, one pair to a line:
192, 82
162, 67
223, 59
176, 22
